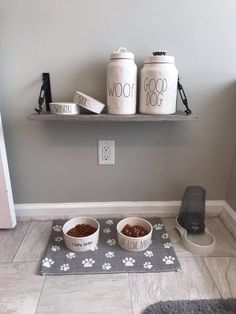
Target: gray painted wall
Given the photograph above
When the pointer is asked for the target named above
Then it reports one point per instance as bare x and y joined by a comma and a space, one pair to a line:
57, 162
231, 195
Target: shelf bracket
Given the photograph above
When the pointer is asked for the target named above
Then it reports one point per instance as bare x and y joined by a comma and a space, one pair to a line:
45, 93
184, 98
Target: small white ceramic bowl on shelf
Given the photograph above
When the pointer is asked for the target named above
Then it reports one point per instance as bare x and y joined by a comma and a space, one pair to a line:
64, 108
88, 102
81, 244
130, 243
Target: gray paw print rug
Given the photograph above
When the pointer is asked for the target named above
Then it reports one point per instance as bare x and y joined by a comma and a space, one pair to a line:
108, 256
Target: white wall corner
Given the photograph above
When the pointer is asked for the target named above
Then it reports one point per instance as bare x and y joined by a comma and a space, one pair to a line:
228, 217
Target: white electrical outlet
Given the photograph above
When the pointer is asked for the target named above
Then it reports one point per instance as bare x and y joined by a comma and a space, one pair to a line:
106, 152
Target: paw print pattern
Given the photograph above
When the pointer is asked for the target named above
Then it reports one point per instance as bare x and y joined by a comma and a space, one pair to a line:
65, 267
47, 262
70, 255
147, 265
57, 228
106, 266
165, 236
128, 261
88, 262
94, 248
110, 254
158, 226
109, 222
168, 260
111, 242
167, 245
106, 230
55, 248
148, 254
58, 239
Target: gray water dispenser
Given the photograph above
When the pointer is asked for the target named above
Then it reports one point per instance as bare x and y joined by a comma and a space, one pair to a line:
190, 222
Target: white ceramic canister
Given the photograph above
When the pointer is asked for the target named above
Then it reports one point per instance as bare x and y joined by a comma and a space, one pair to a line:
121, 83
158, 86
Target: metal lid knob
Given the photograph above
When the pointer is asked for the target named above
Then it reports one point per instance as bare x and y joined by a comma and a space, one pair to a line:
160, 53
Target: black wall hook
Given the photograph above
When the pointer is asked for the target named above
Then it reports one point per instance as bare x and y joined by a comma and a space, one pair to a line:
45, 93
184, 98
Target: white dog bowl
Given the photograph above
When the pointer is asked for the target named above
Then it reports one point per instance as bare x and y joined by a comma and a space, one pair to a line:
81, 244
88, 102
130, 243
66, 108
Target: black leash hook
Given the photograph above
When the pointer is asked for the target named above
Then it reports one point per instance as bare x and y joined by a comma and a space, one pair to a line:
184, 98
45, 93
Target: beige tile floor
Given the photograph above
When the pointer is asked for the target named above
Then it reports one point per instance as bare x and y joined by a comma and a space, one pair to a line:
24, 291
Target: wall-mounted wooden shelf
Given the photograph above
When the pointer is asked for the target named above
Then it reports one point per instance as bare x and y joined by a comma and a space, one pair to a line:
179, 116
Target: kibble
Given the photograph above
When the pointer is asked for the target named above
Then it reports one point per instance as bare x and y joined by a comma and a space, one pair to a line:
136, 231
81, 230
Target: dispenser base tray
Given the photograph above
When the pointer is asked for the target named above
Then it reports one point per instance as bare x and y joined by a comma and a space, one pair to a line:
200, 244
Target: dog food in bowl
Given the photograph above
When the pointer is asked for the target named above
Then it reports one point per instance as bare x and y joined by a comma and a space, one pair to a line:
130, 242
81, 230
83, 243
135, 231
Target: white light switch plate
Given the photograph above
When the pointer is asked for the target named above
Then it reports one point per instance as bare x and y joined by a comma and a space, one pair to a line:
106, 152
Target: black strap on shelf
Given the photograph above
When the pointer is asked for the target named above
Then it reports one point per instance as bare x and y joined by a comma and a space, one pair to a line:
184, 98
45, 93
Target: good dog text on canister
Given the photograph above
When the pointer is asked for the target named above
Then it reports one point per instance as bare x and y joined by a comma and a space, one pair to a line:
158, 85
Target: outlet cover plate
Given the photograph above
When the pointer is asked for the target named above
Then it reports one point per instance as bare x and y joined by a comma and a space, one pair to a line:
106, 152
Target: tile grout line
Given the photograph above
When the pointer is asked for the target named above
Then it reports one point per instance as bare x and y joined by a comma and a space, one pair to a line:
12, 261
215, 256
209, 273
226, 276
18, 262
38, 238
130, 293
41, 291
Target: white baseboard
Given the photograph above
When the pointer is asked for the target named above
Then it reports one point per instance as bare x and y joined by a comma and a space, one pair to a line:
49, 211
228, 217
